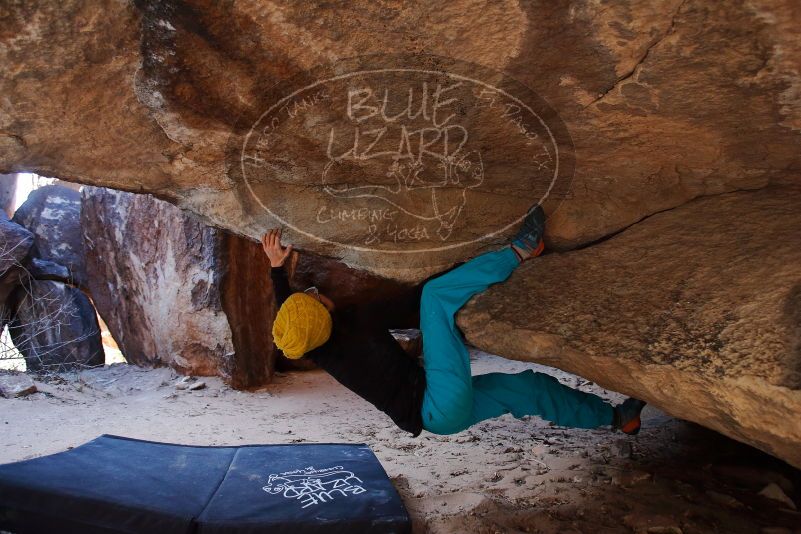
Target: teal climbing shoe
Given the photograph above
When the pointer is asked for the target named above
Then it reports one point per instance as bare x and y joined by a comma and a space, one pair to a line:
529, 237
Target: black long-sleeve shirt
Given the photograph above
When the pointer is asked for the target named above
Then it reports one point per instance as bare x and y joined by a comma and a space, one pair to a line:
363, 356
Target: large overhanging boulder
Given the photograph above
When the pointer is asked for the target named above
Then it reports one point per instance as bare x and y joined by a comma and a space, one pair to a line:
696, 310
664, 102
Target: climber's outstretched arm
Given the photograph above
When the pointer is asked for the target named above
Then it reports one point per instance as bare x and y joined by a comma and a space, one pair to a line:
277, 254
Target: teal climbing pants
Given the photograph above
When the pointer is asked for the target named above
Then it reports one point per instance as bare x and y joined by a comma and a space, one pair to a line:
454, 399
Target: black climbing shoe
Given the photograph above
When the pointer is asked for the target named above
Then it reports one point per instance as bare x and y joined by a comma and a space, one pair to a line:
529, 237
627, 416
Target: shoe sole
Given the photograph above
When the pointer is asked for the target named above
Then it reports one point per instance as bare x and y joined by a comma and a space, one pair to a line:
632, 427
540, 248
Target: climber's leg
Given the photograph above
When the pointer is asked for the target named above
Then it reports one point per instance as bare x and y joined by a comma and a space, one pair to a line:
531, 393
448, 400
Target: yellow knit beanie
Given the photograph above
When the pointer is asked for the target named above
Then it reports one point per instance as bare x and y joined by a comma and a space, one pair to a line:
302, 324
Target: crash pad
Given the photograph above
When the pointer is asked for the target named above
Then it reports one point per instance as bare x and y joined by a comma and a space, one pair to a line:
114, 484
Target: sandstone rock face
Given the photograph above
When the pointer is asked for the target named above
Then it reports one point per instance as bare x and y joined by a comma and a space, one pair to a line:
664, 102
8, 190
15, 246
48, 270
55, 327
176, 292
343, 284
53, 214
696, 310
52, 324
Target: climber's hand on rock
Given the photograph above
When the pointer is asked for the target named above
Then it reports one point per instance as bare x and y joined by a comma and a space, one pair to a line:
271, 242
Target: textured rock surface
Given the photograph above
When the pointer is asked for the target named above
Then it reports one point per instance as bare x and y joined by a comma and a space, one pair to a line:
53, 214
696, 310
48, 270
665, 101
176, 292
15, 245
343, 284
54, 326
16, 385
249, 304
8, 190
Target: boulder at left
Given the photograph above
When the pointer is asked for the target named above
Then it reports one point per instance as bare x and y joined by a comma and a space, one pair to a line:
53, 214
176, 292
8, 191
15, 247
54, 326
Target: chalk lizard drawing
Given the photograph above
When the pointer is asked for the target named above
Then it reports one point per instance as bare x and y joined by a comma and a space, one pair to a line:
439, 198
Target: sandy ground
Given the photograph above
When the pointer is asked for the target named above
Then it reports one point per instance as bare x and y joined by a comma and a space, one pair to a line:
504, 475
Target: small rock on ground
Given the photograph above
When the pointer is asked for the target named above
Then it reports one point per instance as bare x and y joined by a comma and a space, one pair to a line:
16, 385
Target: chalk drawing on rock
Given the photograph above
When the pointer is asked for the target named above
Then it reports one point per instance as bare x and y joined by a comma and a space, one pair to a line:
402, 155
432, 191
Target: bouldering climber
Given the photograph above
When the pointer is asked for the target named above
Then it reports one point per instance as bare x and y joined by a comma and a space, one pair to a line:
354, 345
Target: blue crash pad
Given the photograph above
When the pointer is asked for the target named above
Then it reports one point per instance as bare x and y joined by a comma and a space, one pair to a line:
121, 485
